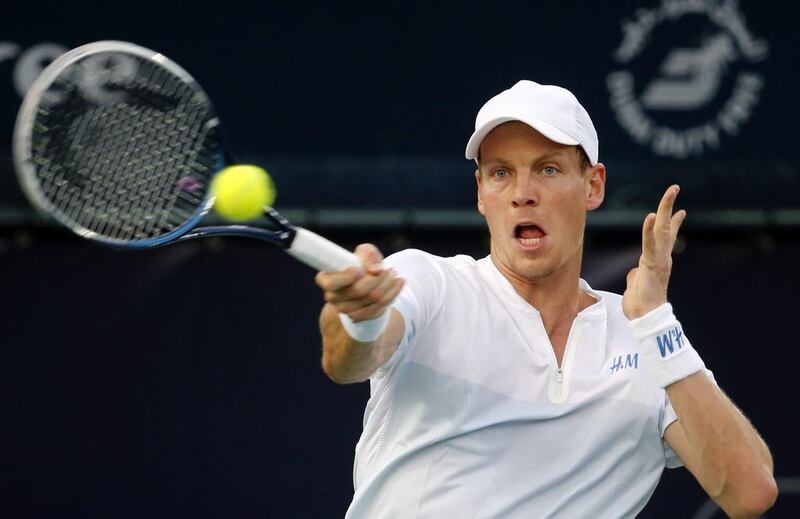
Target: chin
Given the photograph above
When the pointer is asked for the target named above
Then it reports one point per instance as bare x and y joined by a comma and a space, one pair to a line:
533, 269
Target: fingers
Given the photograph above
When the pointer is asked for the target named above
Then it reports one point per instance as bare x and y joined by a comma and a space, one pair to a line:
664, 213
375, 309
367, 297
660, 230
631, 276
674, 227
648, 258
362, 294
332, 281
370, 256
663, 243
647, 284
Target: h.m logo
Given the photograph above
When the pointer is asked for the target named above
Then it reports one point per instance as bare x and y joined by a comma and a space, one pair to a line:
670, 342
630, 361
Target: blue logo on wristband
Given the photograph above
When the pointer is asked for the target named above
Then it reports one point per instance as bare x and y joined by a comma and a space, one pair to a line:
669, 340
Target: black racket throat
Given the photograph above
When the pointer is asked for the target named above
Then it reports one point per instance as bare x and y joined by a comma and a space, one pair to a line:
282, 235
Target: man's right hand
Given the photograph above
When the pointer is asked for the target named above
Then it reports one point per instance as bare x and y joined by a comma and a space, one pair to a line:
361, 294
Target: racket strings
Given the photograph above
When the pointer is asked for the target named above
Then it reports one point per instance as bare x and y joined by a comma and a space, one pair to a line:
133, 169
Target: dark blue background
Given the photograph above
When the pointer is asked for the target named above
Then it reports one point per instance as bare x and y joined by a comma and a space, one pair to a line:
186, 381
304, 86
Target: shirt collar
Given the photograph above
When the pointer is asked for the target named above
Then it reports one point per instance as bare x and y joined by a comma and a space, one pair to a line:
511, 296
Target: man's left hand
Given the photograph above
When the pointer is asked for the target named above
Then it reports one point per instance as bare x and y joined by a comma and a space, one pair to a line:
647, 283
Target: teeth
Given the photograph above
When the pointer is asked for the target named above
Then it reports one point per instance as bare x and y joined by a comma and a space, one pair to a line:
530, 241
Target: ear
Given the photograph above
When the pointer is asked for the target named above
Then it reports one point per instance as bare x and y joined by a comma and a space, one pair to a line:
596, 186
478, 181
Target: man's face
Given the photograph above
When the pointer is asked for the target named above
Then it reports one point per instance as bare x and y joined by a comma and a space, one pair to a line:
534, 196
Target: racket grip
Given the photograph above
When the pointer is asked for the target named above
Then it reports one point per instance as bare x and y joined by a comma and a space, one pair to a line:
321, 254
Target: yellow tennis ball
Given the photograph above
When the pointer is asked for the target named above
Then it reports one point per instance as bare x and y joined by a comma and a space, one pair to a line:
241, 192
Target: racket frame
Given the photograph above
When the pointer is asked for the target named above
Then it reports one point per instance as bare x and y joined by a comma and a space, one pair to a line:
304, 245
23, 135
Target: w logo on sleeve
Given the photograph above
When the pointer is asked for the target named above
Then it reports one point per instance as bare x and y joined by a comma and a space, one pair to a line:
670, 342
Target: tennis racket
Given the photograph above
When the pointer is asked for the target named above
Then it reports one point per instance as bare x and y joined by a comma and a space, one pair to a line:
120, 144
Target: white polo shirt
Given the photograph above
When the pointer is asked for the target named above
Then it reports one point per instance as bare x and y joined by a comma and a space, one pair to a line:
473, 418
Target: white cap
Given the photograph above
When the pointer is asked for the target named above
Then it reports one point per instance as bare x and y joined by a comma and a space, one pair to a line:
551, 110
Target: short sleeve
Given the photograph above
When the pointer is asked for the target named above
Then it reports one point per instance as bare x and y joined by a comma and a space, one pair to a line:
420, 298
668, 416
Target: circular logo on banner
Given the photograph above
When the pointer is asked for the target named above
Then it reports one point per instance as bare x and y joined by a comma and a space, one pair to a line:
686, 76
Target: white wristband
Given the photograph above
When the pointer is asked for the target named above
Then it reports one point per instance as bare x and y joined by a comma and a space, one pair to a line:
664, 346
365, 331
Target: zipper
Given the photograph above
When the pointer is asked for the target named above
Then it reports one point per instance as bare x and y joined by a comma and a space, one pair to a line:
559, 380
559, 390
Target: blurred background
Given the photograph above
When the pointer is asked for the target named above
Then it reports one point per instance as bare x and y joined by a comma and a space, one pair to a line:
186, 381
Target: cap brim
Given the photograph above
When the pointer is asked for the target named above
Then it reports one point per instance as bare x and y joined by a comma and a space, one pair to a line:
546, 129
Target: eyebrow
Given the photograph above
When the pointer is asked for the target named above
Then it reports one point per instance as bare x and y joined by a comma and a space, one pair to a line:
560, 154
555, 155
495, 162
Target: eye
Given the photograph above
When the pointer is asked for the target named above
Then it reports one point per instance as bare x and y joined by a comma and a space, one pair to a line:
500, 174
550, 171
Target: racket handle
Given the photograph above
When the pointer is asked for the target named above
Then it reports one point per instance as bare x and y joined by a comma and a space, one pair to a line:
321, 254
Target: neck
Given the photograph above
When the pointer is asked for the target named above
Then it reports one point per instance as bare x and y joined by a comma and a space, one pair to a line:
557, 296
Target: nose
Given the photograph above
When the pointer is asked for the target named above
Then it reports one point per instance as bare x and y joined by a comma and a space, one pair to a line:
525, 192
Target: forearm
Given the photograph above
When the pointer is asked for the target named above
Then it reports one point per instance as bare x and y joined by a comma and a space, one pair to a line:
344, 359
728, 457
712, 437
714, 440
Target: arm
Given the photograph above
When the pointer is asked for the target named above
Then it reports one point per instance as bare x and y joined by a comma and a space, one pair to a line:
712, 437
346, 360
363, 296
720, 447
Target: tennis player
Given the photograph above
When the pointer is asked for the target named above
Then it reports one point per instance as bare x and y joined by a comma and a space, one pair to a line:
507, 387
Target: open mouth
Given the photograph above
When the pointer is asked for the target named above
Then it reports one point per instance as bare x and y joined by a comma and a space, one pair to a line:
529, 234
